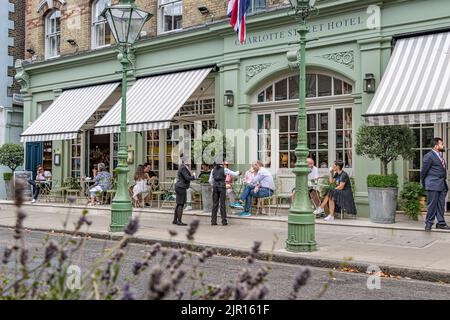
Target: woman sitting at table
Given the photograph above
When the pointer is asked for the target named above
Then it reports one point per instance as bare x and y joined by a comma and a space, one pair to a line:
140, 188
341, 196
103, 182
41, 179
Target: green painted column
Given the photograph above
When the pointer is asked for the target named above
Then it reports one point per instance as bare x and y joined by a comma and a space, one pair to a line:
121, 209
301, 220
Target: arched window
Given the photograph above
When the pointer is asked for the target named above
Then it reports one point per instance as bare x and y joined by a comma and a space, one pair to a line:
317, 85
52, 34
101, 34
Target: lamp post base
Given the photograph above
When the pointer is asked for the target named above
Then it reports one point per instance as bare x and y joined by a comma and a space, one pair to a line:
121, 212
301, 232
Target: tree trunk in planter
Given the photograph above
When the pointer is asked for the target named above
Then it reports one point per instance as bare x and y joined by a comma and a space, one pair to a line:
382, 204
207, 198
9, 189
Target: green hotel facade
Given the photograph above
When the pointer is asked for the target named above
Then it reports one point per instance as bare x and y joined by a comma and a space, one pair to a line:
352, 40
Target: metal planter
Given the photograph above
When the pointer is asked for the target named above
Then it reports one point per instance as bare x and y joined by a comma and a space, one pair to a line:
382, 204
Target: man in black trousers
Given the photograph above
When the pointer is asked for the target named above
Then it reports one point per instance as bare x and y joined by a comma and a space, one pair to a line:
217, 179
434, 179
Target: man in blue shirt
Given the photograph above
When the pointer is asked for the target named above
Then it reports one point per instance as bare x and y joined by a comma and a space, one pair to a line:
261, 186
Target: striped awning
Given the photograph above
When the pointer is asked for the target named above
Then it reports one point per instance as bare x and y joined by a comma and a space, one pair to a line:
416, 85
152, 102
68, 113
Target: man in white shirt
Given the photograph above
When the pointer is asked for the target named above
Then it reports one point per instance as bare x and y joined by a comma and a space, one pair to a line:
312, 176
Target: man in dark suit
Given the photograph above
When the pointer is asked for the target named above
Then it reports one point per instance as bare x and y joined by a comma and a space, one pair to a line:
434, 179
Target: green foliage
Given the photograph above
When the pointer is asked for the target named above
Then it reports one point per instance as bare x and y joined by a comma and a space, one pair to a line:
204, 178
209, 146
409, 199
7, 176
11, 155
382, 181
72, 183
386, 143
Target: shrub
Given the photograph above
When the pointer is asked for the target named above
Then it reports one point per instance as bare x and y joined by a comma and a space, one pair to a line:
11, 155
409, 199
386, 143
382, 181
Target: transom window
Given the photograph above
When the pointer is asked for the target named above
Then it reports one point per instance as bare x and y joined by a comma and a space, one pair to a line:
171, 15
256, 6
52, 34
101, 34
197, 108
317, 85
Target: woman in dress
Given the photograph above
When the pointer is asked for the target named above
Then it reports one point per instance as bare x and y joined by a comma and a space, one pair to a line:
140, 188
341, 196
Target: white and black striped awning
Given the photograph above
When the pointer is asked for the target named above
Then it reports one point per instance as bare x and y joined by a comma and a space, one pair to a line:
68, 113
415, 87
153, 102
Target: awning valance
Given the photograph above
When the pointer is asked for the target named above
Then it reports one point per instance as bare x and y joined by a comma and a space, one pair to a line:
153, 102
68, 113
416, 84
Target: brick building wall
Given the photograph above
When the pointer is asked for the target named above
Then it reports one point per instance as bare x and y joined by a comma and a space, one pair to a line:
76, 18
17, 51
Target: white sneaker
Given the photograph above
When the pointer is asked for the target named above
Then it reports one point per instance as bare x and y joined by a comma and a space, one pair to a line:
319, 210
329, 218
33, 201
188, 208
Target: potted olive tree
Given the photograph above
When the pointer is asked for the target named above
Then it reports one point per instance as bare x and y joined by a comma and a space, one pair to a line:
385, 143
11, 156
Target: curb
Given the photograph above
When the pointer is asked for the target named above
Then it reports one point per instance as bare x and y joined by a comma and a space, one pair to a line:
288, 258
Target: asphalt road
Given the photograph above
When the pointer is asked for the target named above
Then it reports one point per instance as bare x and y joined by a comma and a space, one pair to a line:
222, 270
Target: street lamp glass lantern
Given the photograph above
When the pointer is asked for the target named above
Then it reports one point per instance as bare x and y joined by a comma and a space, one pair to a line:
126, 22
369, 83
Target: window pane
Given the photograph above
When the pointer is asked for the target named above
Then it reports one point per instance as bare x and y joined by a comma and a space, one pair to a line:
416, 133
323, 121
261, 96
427, 137
323, 159
414, 176
339, 119
348, 139
348, 118
348, 161
311, 122
269, 93
281, 90
284, 124
293, 141
293, 87
347, 88
339, 139
324, 85
311, 91
339, 155
337, 87
414, 163
284, 142
323, 140
293, 125
259, 5
293, 159
267, 124
260, 123
167, 14
177, 12
312, 141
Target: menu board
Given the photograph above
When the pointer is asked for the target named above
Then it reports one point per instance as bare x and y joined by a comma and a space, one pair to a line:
27, 176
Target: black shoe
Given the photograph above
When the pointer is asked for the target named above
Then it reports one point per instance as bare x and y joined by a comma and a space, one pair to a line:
428, 228
174, 221
224, 223
147, 204
179, 223
214, 223
445, 227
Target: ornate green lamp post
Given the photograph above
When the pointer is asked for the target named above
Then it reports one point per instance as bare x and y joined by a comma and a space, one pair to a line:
125, 21
301, 220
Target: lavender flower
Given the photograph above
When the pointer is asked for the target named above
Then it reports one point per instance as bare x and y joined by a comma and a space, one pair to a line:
193, 226
137, 266
132, 226
127, 294
158, 286
301, 279
255, 250
51, 250
7, 254
24, 257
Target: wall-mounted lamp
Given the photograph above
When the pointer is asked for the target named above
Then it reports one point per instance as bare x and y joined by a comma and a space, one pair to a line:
228, 100
57, 157
369, 83
130, 157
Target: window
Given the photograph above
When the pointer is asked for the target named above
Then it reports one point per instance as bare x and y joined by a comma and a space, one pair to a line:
153, 150
287, 141
76, 157
317, 85
256, 6
264, 139
52, 34
172, 141
424, 134
197, 107
317, 137
344, 136
101, 34
171, 15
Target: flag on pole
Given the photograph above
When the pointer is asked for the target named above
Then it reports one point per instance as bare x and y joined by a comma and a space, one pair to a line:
237, 12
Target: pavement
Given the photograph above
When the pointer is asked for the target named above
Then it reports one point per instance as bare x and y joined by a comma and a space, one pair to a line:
401, 249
